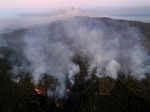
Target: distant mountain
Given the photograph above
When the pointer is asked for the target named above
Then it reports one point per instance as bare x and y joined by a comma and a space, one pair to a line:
90, 22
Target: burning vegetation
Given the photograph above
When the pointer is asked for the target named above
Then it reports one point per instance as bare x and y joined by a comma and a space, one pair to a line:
38, 90
43, 85
93, 95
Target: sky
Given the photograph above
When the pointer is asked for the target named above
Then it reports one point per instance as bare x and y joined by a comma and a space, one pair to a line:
43, 5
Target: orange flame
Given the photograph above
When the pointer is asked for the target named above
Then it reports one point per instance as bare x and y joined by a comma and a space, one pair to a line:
37, 90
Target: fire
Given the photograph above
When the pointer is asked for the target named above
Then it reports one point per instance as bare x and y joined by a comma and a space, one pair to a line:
68, 90
37, 90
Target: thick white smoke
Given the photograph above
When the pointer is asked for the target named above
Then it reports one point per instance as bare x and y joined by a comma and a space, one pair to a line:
49, 55
113, 49
111, 46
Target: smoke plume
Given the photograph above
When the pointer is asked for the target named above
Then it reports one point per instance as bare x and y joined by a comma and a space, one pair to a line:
111, 46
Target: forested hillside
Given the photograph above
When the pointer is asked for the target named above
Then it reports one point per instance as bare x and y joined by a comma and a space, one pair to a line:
20, 93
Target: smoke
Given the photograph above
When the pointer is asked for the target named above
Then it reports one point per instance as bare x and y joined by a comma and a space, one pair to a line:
111, 46
114, 47
49, 55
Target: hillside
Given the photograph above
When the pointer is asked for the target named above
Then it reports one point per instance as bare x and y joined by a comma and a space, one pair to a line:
80, 64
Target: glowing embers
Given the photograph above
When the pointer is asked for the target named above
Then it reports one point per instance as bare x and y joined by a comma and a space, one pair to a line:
38, 90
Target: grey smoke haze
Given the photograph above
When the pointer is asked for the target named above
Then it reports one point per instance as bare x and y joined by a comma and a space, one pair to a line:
50, 55
112, 47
